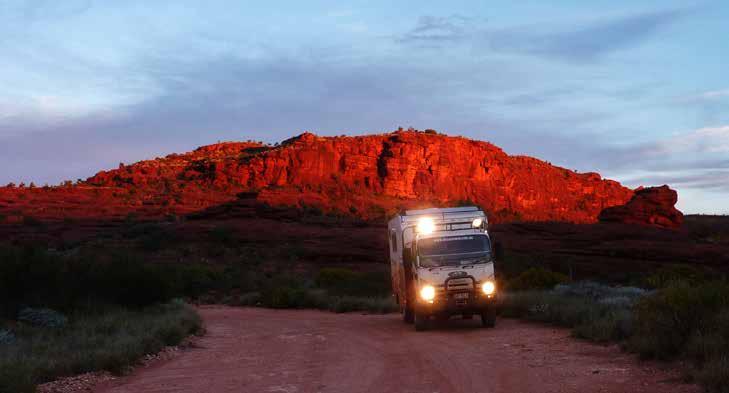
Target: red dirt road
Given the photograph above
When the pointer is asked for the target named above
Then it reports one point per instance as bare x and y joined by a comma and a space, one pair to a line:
260, 350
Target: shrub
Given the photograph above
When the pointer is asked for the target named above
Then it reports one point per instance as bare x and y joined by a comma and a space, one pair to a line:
340, 281
42, 317
285, 297
378, 305
36, 278
222, 234
6, 336
536, 278
16, 376
604, 294
611, 325
714, 376
666, 320
112, 340
594, 311
676, 274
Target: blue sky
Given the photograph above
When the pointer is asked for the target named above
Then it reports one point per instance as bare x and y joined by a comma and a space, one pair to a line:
637, 91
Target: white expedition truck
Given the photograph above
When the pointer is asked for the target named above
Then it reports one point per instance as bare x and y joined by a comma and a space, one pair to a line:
442, 264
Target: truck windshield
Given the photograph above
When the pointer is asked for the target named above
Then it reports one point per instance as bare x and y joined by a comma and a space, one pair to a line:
454, 250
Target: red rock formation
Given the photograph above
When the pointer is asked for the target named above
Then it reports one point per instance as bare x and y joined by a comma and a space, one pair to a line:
367, 176
654, 206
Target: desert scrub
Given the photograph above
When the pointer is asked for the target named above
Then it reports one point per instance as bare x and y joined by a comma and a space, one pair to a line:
112, 339
594, 311
346, 282
6, 336
38, 278
687, 320
312, 298
667, 320
691, 322
42, 317
536, 278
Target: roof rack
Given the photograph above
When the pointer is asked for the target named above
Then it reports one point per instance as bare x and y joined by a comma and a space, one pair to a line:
436, 210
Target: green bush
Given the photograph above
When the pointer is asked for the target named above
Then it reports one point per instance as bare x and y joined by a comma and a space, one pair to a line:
42, 317
714, 376
112, 340
536, 278
37, 278
378, 305
665, 321
676, 274
340, 281
222, 235
594, 311
16, 376
6, 336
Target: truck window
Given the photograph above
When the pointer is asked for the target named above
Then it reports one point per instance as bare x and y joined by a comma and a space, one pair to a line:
454, 250
393, 241
454, 245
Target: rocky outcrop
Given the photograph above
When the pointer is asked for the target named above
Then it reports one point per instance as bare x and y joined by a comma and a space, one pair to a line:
654, 206
366, 176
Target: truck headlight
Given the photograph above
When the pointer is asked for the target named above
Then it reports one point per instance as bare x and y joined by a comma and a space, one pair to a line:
426, 226
427, 292
477, 223
488, 287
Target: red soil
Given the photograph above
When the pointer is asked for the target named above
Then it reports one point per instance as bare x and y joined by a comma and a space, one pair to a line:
257, 350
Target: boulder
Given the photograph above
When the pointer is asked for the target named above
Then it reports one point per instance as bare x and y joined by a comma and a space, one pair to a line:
654, 206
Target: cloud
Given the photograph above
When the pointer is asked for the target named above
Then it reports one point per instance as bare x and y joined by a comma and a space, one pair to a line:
586, 43
436, 30
201, 99
705, 97
692, 160
713, 180
707, 140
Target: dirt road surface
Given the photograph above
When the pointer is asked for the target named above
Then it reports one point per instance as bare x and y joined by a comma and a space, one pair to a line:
261, 350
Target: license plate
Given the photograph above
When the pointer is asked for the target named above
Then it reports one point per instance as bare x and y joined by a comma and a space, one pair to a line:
463, 295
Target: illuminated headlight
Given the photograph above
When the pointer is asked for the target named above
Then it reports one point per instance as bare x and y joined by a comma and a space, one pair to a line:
477, 222
426, 226
488, 287
427, 292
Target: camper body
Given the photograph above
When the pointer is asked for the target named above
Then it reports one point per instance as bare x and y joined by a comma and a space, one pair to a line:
442, 264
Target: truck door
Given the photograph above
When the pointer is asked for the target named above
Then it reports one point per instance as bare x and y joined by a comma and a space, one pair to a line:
406, 275
395, 265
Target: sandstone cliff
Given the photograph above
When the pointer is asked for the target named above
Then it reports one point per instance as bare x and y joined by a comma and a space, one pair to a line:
367, 176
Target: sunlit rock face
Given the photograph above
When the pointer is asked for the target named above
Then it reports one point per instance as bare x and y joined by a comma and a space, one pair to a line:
369, 177
654, 206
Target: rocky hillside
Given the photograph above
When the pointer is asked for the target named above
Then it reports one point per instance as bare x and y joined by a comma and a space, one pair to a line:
366, 176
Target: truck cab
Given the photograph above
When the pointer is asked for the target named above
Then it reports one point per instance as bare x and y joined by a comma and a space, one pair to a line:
442, 264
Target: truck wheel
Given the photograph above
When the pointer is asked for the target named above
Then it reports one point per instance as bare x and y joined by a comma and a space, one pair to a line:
407, 315
488, 317
421, 322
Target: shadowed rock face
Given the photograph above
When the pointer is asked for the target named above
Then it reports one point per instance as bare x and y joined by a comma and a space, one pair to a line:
367, 176
654, 206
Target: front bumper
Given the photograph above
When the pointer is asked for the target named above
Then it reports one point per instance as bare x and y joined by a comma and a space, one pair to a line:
461, 302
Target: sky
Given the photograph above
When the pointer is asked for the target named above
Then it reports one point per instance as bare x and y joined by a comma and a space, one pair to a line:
637, 91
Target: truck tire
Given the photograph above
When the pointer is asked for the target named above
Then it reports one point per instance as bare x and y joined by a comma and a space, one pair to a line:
488, 317
408, 316
421, 322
